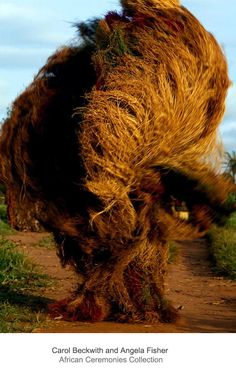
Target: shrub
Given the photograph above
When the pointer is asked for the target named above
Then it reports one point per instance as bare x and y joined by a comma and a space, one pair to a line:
222, 247
3, 212
231, 222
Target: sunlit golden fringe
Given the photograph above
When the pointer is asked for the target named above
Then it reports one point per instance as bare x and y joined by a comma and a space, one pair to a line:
159, 110
144, 4
176, 229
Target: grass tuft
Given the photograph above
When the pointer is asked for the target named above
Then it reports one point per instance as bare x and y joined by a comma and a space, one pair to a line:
17, 318
5, 228
46, 242
3, 212
20, 310
222, 247
16, 271
231, 222
173, 252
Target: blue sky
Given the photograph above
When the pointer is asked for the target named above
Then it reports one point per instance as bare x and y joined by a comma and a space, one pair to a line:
30, 30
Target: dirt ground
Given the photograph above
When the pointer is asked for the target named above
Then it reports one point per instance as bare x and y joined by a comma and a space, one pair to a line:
206, 303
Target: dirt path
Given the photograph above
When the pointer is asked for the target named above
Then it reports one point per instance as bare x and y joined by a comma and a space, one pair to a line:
207, 303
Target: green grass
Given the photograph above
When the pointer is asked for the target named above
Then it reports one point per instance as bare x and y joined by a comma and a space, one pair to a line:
231, 202
173, 252
21, 308
46, 242
16, 270
17, 318
5, 228
231, 222
222, 247
3, 212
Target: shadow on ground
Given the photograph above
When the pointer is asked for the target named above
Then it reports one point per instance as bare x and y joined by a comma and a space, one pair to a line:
27, 300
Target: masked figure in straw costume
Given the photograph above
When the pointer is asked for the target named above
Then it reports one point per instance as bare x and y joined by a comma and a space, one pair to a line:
108, 133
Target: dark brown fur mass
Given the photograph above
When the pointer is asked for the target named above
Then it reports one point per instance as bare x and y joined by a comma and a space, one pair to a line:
97, 147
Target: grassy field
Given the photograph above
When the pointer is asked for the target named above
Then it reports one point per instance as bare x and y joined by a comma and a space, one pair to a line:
222, 246
21, 308
5, 229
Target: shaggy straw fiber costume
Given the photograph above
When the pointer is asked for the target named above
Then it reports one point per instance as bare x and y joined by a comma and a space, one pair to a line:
108, 133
